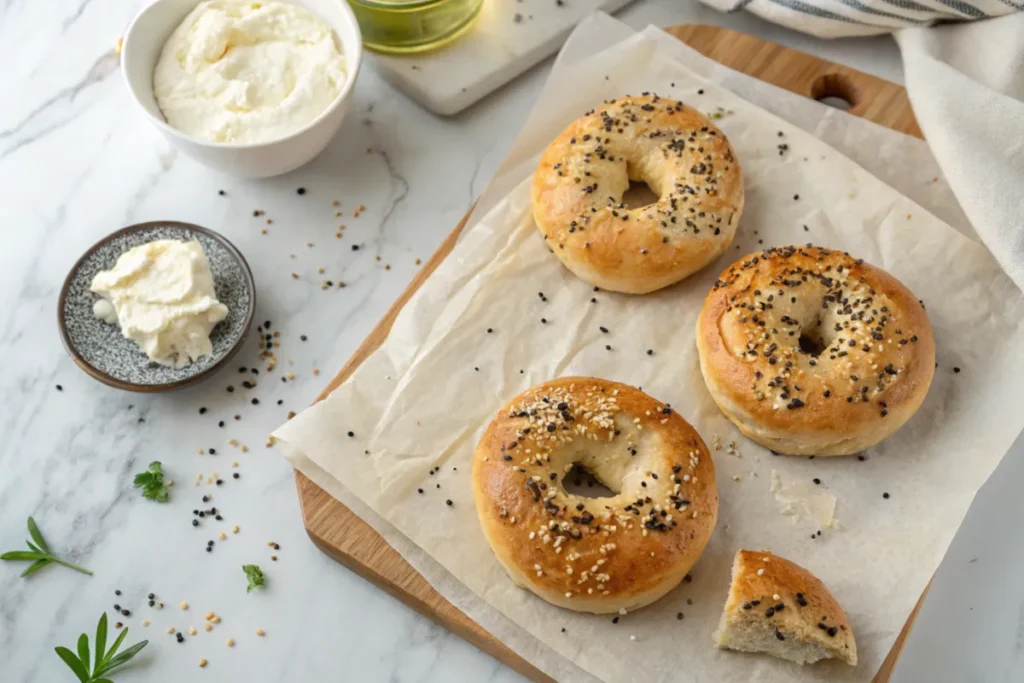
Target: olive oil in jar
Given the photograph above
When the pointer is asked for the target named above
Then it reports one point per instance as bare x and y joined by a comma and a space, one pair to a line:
408, 26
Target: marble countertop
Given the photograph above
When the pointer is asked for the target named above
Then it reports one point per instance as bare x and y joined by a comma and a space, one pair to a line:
77, 161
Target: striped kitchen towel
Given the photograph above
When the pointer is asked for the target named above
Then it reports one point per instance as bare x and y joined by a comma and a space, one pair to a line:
838, 18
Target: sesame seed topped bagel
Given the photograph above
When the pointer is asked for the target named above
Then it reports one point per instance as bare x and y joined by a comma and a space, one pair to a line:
578, 190
595, 555
812, 352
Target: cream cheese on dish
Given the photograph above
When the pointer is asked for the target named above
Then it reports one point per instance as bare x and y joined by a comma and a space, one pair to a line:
247, 72
161, 294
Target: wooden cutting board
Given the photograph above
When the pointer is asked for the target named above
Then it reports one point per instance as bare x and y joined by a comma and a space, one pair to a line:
345, 537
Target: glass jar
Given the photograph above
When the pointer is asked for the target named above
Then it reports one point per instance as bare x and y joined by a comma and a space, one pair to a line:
408, 26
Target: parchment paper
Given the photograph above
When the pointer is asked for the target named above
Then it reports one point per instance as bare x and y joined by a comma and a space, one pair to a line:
422, 400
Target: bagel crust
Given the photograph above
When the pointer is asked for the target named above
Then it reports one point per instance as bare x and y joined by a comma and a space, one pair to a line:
812, 352
778, 607
582, 176
596, 555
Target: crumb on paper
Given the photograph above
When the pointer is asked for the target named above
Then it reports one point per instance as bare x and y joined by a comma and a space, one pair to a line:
804, 499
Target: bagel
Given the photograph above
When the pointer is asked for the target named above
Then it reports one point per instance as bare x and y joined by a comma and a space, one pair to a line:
809, 351
595, 555
778, 607
579, 185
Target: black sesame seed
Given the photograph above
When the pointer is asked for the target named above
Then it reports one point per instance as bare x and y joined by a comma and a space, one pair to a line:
117, 592
770, 612
679, 615
221, 192
448, 502
615, 620
219, 482
956, 370
816, 480
351, 434
303, 337
195, 522
747, 605
202, 411
603, 329
60, 388
236, 475
151, 596
885, 495
301, 190
221, 423
209, 549
779, 635
212, 451
152, 603
230, 388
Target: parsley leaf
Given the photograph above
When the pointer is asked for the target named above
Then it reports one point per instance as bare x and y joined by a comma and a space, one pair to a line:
152, 483
255, 576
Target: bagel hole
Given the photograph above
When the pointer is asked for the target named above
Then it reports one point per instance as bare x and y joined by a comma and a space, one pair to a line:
811, 342
579, 481
639, 195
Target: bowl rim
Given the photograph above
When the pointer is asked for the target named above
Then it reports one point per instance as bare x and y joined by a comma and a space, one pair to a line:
352, 62
112, 381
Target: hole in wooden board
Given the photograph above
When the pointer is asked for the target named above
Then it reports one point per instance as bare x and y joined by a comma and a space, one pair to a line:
835, 90
580, 482
639, 195
835, 102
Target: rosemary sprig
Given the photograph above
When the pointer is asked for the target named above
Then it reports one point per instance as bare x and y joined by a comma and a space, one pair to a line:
39, 554
104, 660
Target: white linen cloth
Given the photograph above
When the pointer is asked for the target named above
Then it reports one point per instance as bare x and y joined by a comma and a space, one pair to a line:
966, 85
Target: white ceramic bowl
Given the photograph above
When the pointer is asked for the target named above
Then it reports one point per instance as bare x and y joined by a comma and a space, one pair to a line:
141, 50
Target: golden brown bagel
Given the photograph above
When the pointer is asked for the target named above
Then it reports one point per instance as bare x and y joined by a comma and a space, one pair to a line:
595, 555
812, 352
582, 176
780, 608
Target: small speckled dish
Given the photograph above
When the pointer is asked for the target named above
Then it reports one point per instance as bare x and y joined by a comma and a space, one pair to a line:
100, 349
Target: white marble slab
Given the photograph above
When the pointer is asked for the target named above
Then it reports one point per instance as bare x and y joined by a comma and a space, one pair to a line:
509, 37
76, 162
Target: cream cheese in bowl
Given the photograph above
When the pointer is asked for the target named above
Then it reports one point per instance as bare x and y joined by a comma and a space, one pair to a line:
161, 294
248, 72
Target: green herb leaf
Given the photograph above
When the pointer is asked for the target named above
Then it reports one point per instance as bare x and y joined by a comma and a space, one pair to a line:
76, 666
37, 536
152, 483
39, 555
113, 648
83, 650
103, 663
122, 658
36, 566
101, 643
255, 576
23, 555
